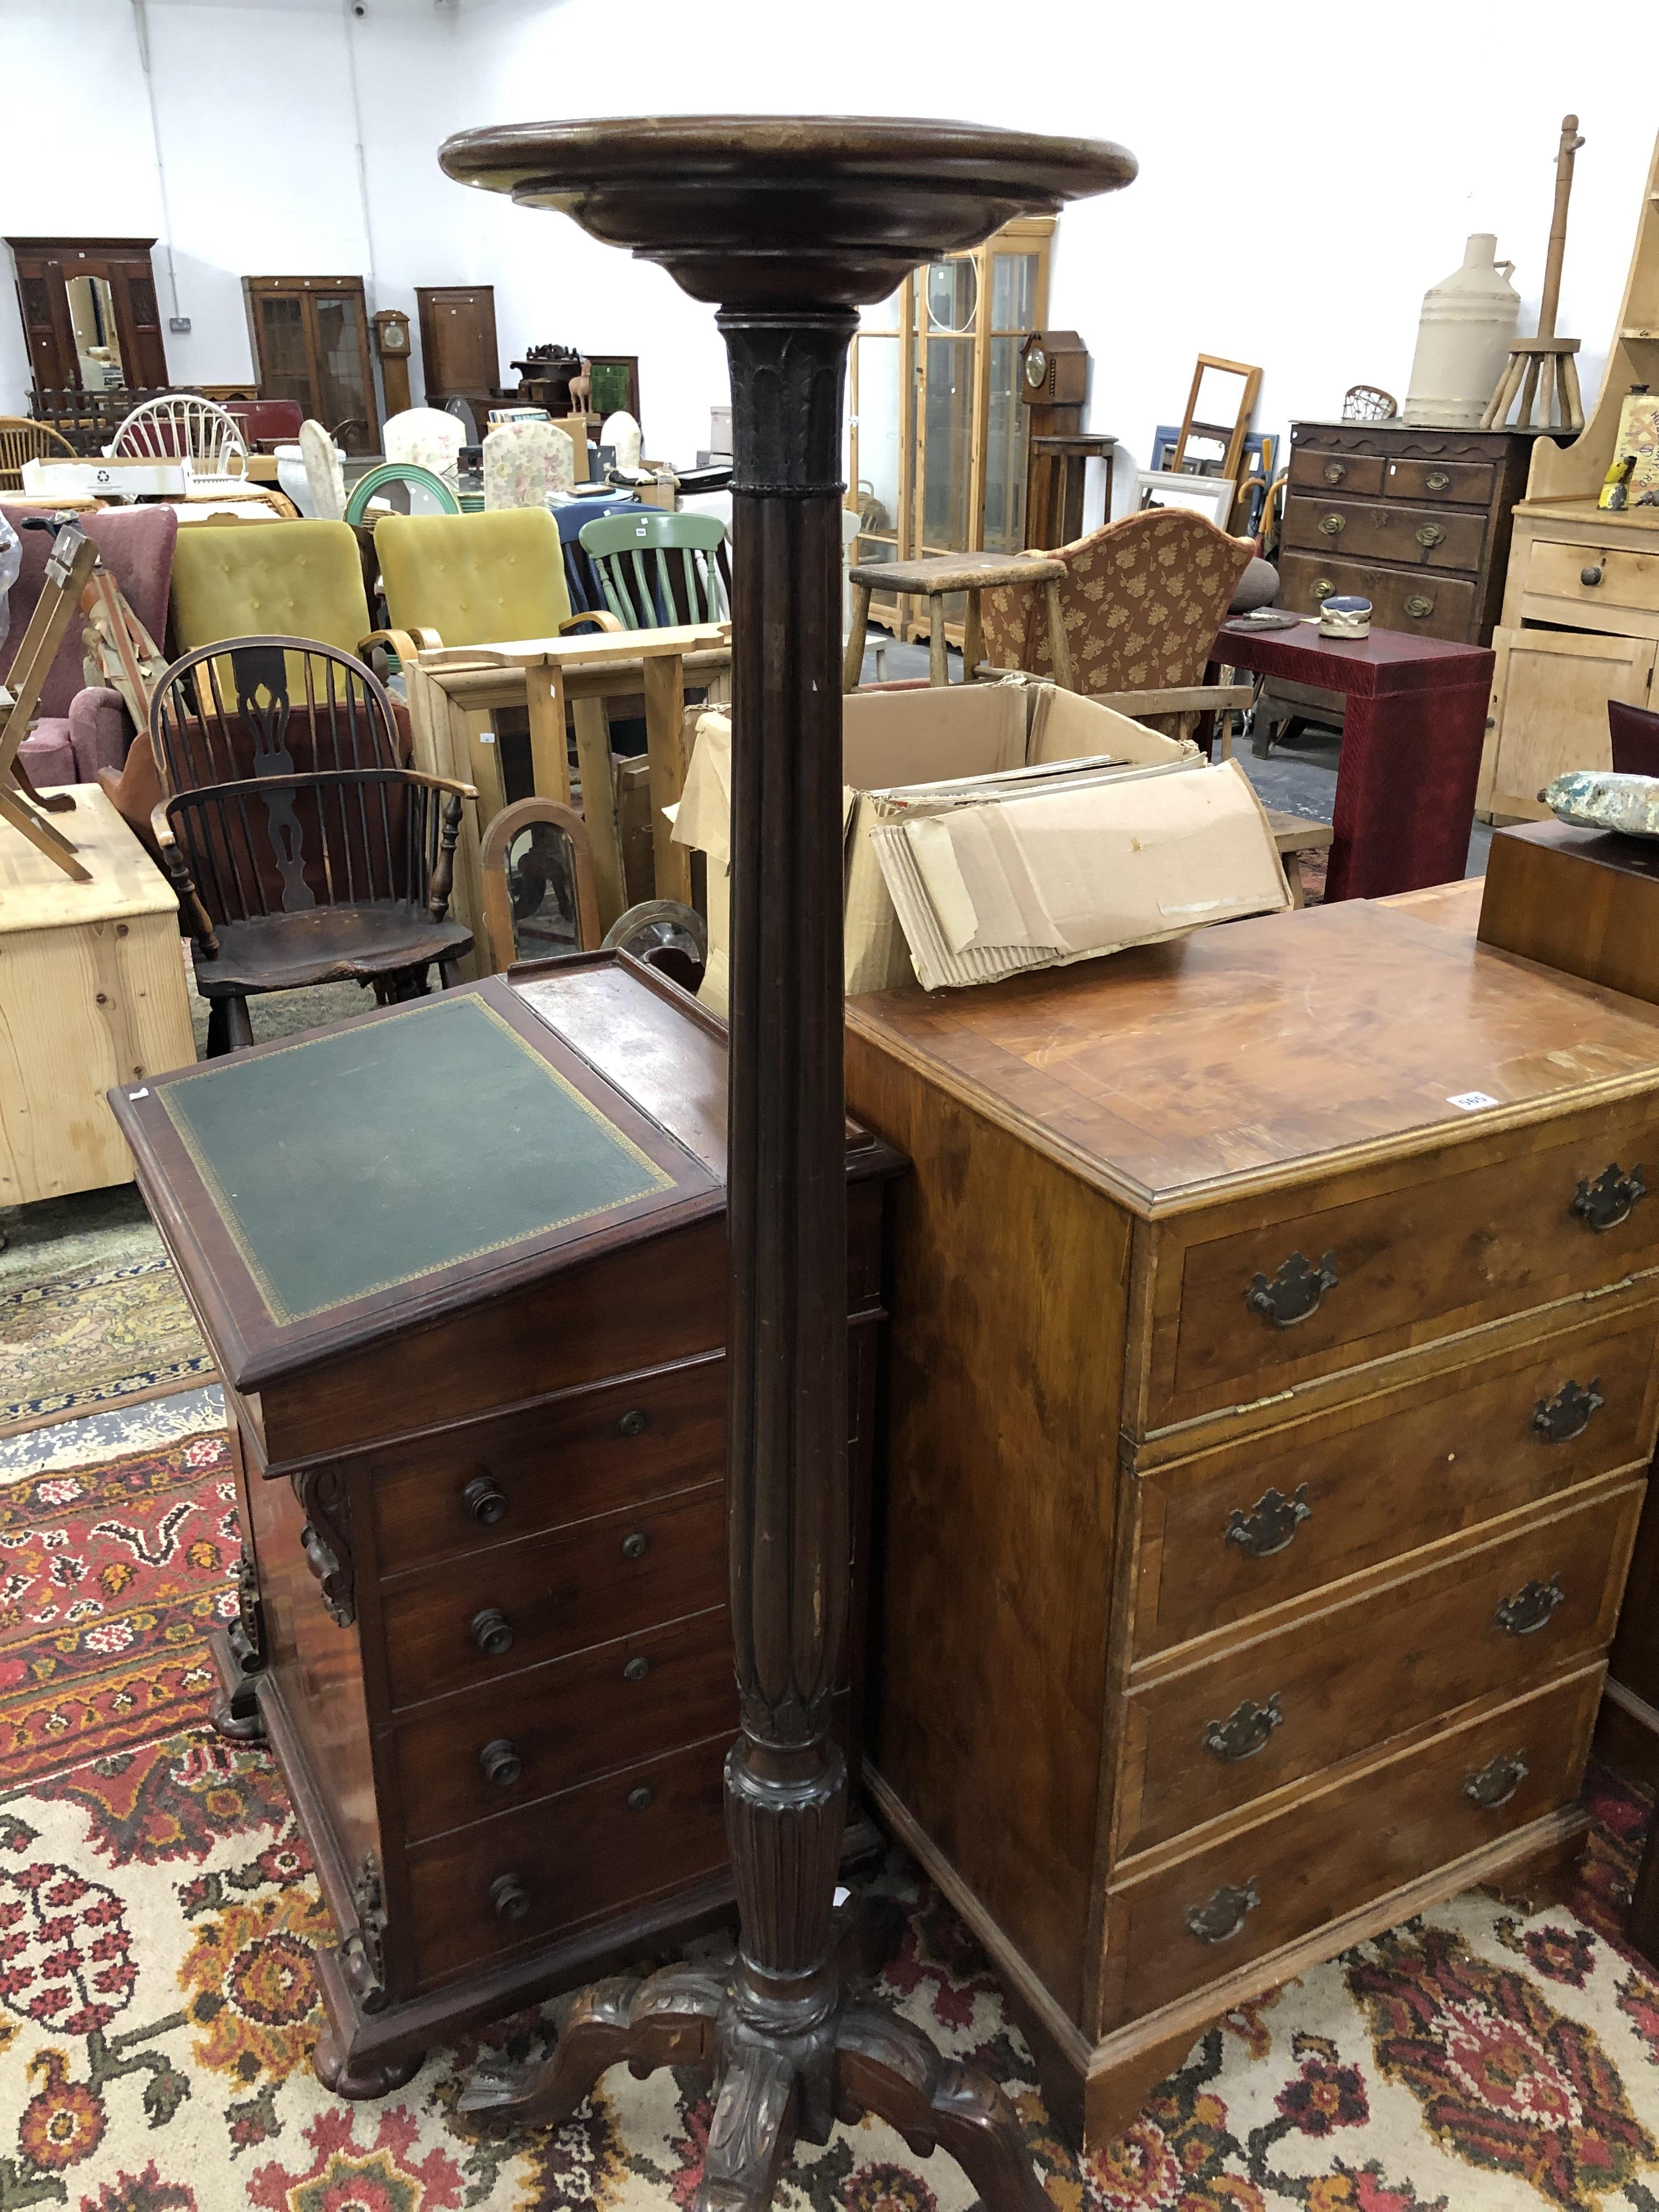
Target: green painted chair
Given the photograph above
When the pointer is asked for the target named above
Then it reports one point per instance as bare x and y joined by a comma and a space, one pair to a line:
658, 569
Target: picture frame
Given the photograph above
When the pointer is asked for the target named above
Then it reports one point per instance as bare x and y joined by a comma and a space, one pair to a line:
613, 384
1210, 497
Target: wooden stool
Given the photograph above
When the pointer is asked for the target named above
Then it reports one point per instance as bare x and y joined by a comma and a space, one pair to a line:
1293, 835
934, 580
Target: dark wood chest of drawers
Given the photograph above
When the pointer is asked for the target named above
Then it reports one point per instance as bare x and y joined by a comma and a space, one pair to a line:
483, 1597
1271, 1389
1415, 520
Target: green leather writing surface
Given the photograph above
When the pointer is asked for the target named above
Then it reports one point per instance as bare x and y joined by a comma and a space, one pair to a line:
374, 1155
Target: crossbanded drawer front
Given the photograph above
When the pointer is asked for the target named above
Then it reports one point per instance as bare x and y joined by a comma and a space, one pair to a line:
476, 1892
1201, 1743
506, 1744
1202, 1918
1317, 1290
564, 1459
474, 1620
1236, 1531
1419, 536
1431, 606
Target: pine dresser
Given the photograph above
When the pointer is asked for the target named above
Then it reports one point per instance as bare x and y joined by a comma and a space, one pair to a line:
1272, 1351
462, 1264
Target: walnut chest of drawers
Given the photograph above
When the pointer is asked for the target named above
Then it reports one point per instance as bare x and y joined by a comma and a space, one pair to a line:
1415, 520
462, 1264
1272, 1358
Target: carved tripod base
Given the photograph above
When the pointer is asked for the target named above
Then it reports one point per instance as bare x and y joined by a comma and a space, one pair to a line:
768, 2091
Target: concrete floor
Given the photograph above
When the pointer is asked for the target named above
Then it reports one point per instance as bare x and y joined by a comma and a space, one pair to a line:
1299, 777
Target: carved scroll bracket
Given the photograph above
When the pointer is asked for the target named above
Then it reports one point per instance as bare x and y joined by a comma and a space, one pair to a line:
364, 1952
326, 1539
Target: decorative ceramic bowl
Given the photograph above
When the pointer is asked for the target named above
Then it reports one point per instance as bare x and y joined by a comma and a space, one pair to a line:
1597, 798
1344, 617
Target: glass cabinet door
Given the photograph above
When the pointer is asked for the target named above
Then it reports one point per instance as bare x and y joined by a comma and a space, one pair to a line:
878, 431
1014, 287
947, 314
341, 361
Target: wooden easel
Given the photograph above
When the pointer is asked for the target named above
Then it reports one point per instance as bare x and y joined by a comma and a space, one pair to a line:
68, 570
1543, 368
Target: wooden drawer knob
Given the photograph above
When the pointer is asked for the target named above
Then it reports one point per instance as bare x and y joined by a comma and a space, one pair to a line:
1530, 1609
1271, 1523
1294, 1292
1567, 1415
1497, 1781
634, 1423
1592, 574
492, 1632
1246, 1730
485, 1500
636, 1546
502, 1763
1610, 1198
508, 1898
639, 1799
637, 1669
1224, 1914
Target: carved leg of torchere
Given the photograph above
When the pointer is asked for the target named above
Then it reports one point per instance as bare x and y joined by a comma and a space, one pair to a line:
885, 2066
752, 2127
666, 2021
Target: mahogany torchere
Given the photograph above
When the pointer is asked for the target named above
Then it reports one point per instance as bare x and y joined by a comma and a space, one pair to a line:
786, 224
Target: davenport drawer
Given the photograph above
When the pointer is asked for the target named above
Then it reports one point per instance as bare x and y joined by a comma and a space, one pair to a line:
565, 1459
1416, 537
1357, 474
1593, 575
1348, 1845
1320, 1289
446, 1627
1435, 605
1233, 1532
508, 1743
1468, 482
613, 1843
1203, 1742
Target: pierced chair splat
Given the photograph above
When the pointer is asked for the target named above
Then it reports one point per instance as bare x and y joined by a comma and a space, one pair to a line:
302, 850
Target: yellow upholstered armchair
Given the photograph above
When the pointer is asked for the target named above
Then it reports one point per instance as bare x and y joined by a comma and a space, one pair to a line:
458, 579
1142, 601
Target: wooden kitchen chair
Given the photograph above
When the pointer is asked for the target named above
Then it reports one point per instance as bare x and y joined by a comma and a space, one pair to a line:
309, 854
21, 440
658, 569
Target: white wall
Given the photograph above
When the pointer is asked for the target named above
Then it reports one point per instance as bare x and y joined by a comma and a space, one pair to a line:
1304, 175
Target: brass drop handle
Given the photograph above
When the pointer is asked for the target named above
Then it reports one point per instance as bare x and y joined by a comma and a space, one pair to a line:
1294, 1292
635, 1546
1419, 605
485, 1500
492, 1632
508, 1897
1271, 1523
1437, 480
1334, 471
633, 1424
1224, 1914
1567, 1415
502, 1763
1610, 1198
637, 1669
1323, 586
1497, 1781
1429, 534
1529, 1609
639, 1799
1333, 526
1247, 1730
1592, 574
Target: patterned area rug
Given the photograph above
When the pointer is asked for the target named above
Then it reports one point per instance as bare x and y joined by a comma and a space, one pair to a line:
105, 1331
158, 1998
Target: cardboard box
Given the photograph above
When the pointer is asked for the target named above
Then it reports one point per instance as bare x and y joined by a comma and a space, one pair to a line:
893, 741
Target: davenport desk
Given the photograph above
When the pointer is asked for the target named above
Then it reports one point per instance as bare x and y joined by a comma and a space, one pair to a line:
1271, 1387
479, 1392
1412, 738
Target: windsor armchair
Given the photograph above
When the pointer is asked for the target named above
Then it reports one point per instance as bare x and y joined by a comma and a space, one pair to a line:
180, 426
302, 851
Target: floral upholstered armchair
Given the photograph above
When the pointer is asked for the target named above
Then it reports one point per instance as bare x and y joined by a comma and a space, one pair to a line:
524, 462
1142, 601
429, 438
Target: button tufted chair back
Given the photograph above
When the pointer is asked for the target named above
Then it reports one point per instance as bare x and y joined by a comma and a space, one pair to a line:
474, 579
292, 580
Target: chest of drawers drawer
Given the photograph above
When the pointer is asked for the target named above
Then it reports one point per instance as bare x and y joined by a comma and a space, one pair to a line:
460, 1490
450, 1626
1432, 605
1236, 1531
1493, 1616
1315, 1285
1593, 576
1417, 536
1189, 1922
508, 1743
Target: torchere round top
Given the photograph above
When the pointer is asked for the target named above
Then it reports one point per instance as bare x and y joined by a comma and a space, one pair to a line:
786, 210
